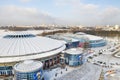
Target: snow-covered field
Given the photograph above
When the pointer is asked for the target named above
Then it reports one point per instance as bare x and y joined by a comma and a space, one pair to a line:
57, 72
87, 71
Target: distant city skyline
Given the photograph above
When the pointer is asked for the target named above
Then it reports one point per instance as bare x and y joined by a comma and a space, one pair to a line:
65, 12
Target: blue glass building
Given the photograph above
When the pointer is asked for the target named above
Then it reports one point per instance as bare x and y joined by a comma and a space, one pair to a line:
6, 72
97, 43
80, 40
73, 57
29, 70
72, 44
94, 41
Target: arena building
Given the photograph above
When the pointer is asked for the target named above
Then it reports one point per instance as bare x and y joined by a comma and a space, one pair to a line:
20, 46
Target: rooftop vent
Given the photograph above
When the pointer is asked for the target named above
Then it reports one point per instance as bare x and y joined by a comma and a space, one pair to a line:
19, 36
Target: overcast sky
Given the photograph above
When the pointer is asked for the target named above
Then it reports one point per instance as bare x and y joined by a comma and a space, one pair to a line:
67, 12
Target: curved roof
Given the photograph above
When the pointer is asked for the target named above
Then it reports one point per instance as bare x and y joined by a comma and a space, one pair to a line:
74, 51
93, 38
28, 66
90, 37
80, 33
23, 44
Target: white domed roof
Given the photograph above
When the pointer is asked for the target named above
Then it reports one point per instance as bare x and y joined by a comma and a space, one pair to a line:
19, 46
74, 51
28, 66
23, 43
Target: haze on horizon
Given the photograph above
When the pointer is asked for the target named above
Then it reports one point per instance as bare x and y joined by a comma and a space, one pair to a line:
65, 12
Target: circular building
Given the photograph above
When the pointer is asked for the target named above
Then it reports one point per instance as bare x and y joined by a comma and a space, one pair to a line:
28, 70
73, 57
94, 41
20, 46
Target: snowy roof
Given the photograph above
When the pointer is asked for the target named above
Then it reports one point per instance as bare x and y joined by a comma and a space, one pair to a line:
74, 36
80, 33
78, 36
28, 66
64, 38
17, 44
92, 37
74, 51
32, 56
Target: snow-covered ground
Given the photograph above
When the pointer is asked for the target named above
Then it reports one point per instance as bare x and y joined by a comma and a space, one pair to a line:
87, 71
107, 58
57, 72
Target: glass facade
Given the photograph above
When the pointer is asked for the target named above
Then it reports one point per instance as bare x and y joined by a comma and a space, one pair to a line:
73, 59
72, 45
6, 71
98, 43
37, 75
51, 61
